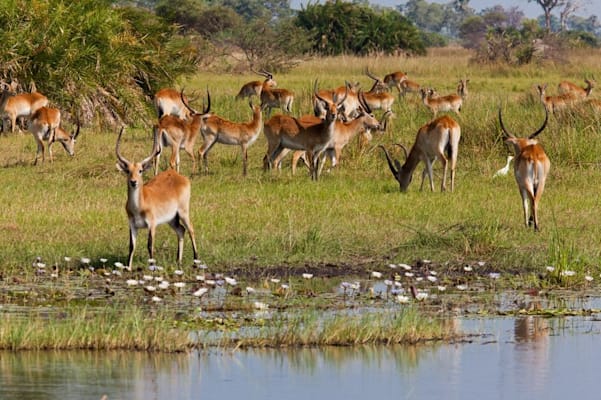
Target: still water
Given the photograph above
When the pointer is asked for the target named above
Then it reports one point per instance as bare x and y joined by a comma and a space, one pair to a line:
506, 358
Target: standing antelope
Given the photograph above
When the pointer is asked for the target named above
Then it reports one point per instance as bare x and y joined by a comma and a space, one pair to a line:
395, 79
19, 105
163, 199
285, 132
439, 138
531, 168
451, 102
179, 134
462, 88
409, 86
215, 129
168, 102
377, 98
555, 103
577, 91
276, 98
254, 88
45, 126
350, 104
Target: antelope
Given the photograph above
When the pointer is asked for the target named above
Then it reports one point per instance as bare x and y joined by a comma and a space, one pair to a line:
19, 105
408, 86
439, 138
579, 92
531, 168
451, 102
45, 126
376, 98
276, 98
215, 129
554, 103
349, 106
254, 88
163, 199
288, 132
462, 88
179, 134
395, 79
168, 101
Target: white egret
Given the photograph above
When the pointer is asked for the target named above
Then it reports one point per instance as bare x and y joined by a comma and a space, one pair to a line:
503, 171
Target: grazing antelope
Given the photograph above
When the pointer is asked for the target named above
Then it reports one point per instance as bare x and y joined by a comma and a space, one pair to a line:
285, 132
163, 199
531, 167
409, 86
168, 102
439, 138
395, 79
14, 106
44, 128
451, 102
579, 92
179, 134
215, 129
254, 88
555, 103
377, 98
276, 98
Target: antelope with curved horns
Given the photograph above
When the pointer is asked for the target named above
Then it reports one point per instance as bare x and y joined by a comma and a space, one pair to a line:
377, 97
579, 92
45, 126
276, 98
409, 86
531, 167
168, 101
180, 134
163, 199
14, 106
350, 105
215, 129
285, 132
395, 79
451, 102
438, 139
254, 88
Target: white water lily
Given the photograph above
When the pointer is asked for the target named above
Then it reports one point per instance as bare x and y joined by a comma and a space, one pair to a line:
494, 275
179, 285
158, 278
409, 274
376, 274
402, 299
150, 288
568, 273
432, 278
550, 268
200, 292
103, 260
467, 268
131, 282
178, 272
461, 287
260, 306
164, 285
421, 296
147, 278
156, 299
231, 281
307, 276
250, 290
441, 288
588, 278
406, 267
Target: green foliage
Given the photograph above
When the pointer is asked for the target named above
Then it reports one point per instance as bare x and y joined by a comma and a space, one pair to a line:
340, 27
88, 57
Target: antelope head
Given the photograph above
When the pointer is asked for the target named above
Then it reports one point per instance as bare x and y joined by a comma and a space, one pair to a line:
403, 178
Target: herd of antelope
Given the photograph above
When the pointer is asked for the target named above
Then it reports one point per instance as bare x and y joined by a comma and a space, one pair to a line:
339, 115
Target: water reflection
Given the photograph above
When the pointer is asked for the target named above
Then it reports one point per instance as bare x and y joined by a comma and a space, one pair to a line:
518, 358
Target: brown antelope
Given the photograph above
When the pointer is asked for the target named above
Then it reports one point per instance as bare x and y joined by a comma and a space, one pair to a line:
377, 98
395, 79
438, 139
531, 168
349, 106
168, 102
254, 88
462, 88
44, 127
409, 86
579, 92
276, 98
215, 129
19, 105
555, 103
344, 132
285, 132
179, 134
163, 199
451, 102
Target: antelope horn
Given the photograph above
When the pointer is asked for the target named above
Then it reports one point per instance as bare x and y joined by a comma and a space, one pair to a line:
208, 108
156, 148
74, 136
391, 162
181, 95
505, 132
121, 159
375, 78
535, 134
363, 102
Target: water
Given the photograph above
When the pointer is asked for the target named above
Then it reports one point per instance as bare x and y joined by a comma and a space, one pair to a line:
506, 358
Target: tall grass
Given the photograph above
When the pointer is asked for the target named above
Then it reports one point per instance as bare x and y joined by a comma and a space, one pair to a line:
354, 214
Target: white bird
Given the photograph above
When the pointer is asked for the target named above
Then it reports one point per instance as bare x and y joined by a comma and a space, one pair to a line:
503, 171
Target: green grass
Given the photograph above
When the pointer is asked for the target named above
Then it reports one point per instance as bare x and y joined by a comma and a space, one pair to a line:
75, 207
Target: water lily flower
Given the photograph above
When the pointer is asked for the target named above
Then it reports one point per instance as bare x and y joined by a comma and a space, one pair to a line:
376, 274
468, 268
150, 288
158, 278
231, 281
432, 278
406, 267
568, 273
461, 287
250, 290
388, 282
402, 299
307, 276
275, 280
200, 292
164, 285
588, 278
494, 275
179, 285
420, 296
550, 268
85, 260
147, 278
178, 272
441, 288
260, 306
156, 299
131, 282
409, 274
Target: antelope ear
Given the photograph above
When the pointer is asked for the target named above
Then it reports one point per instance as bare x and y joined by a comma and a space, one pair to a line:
121, 167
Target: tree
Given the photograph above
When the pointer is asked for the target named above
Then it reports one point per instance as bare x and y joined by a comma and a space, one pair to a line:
548, 6
569, 8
